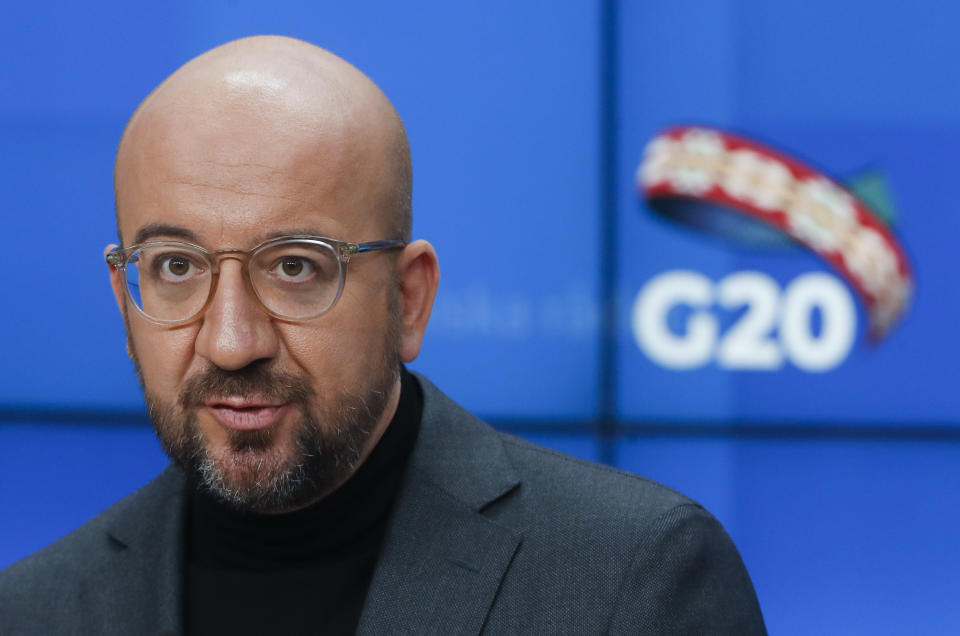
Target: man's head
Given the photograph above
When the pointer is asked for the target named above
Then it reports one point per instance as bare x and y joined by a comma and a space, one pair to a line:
262, 137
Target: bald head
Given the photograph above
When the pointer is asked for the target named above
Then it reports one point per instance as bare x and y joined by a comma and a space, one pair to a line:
262, 112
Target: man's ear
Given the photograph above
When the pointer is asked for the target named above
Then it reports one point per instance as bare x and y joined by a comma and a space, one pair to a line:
116, 282
419, 274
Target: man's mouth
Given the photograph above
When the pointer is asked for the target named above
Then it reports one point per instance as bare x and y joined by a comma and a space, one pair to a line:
245, 414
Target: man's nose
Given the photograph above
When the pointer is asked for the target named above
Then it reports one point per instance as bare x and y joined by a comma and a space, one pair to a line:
236, 331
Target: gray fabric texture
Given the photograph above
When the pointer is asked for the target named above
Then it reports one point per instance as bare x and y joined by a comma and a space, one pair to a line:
490, 534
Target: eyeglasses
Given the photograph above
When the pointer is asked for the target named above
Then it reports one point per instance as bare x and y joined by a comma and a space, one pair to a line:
293, 277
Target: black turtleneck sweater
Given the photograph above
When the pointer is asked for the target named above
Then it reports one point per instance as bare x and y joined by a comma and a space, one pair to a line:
306, 572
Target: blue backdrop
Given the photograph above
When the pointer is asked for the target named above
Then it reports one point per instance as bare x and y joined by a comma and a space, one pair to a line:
528, 122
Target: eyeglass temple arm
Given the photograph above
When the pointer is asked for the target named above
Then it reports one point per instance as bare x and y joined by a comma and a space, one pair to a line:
350, 249
378, 245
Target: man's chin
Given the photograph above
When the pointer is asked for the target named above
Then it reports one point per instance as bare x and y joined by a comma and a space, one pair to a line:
254, 477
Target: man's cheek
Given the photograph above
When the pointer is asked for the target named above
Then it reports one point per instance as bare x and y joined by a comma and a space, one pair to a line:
165, 357
314, 352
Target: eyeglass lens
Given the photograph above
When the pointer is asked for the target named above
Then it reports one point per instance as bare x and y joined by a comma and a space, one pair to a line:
296, 279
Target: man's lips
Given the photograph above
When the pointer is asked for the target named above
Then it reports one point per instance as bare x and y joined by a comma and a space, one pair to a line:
245, 414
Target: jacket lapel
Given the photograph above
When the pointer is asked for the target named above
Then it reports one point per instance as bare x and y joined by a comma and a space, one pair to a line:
145, 559
442, 560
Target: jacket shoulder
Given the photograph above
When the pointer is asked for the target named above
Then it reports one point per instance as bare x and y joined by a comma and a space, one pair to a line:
647, 558
589, 486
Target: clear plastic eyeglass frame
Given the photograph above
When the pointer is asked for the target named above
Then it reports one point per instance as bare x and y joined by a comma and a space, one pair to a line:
120, 257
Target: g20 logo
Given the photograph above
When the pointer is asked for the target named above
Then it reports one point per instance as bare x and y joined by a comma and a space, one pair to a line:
776, 327
730, 185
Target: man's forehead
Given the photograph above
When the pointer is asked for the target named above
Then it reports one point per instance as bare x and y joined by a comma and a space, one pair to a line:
206, 132
233, 209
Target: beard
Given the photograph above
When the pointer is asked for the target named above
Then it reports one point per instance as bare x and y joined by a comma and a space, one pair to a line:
258, 471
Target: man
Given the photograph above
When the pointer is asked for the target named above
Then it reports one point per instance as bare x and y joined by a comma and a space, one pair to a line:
316, 485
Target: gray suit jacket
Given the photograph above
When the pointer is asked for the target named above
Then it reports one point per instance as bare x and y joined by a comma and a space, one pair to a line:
490, 534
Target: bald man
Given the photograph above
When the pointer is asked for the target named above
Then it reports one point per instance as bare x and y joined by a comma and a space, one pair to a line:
271, 294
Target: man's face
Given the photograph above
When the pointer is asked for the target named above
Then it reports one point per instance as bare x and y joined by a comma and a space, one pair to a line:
268, 414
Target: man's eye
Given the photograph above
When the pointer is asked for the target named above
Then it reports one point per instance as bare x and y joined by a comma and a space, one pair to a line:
293, 268
177, 267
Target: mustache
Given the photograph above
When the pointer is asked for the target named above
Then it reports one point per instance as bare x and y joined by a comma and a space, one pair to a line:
255, 379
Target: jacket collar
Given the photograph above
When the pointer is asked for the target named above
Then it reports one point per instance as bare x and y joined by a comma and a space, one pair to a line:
458, 453
442, 560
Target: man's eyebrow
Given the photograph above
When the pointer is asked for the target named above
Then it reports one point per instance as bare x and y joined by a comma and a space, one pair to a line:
298, 231
154, 230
